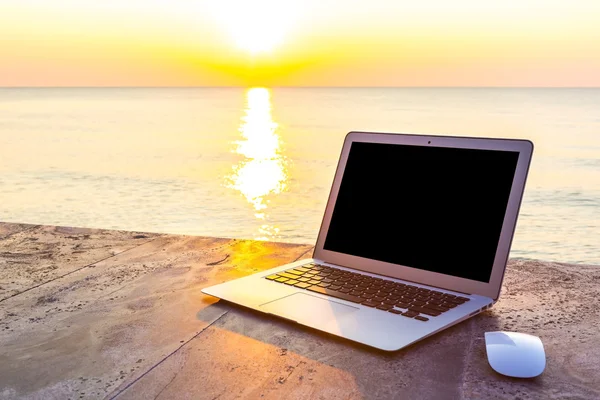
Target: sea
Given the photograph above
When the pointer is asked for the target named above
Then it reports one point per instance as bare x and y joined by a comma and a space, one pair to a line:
258, 163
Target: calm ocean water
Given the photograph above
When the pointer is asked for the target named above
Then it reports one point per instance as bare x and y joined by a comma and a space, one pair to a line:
258, 163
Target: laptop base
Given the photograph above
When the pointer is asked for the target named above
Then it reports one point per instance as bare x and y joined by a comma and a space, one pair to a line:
370, 326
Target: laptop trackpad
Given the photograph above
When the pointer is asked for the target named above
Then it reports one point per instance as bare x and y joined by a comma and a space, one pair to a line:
307, 309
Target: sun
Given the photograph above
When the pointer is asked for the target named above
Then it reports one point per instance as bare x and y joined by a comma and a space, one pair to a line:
256, 26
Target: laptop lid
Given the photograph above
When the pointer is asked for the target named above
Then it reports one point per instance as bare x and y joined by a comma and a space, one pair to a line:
437, 210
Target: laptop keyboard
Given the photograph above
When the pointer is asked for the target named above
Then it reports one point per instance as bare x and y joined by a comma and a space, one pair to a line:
394, 297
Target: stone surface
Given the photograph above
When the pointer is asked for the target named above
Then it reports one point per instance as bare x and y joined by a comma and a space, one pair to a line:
7, 230
134, 324
31, 255
97, 326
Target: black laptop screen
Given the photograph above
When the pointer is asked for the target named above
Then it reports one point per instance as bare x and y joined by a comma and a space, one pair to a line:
432, 208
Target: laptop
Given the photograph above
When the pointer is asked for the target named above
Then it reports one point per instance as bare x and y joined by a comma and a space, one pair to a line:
415, 238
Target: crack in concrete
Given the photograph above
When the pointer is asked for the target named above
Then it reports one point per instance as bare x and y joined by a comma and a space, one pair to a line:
461, 389
167, 357
167, 385
218, 262
72, 272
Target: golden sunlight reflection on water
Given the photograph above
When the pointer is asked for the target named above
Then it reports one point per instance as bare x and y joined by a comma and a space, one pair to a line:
262, 172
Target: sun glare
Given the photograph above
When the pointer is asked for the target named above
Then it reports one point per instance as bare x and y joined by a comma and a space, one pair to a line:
262, 173
256, 26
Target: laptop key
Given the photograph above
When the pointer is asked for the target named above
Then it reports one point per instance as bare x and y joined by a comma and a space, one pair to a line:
410, 314
282, 279
286, 275
323, 284
303, 285
384, 307
334, 287
291, 282
421, 318
313, 282
272, 277
335, 293
393, 311
436, 308
370, 303
295, 272
301, 269
422, 310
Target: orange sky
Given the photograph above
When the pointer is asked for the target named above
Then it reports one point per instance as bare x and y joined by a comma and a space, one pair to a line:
299, 43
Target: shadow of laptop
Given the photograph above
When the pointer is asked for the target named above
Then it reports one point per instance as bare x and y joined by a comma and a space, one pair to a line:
431, 368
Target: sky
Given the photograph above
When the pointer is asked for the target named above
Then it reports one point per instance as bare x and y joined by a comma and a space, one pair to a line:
490, 43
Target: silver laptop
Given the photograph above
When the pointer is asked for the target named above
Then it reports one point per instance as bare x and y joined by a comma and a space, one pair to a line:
415, 238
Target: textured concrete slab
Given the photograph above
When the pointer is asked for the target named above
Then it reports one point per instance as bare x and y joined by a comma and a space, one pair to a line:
560, 304
136, 325
31, 254
8, 229
245, 354
85, 333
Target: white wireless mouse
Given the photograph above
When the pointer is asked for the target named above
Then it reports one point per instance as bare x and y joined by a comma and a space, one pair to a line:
515, 354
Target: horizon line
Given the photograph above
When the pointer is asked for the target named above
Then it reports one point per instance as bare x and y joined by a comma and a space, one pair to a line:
298, 87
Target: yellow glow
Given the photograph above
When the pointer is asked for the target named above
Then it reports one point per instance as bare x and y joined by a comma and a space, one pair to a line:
299, 43
263, 171
255, 25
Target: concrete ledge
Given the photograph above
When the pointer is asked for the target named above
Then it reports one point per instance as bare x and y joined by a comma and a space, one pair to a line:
88, 313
